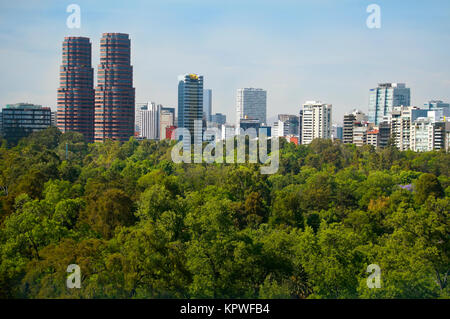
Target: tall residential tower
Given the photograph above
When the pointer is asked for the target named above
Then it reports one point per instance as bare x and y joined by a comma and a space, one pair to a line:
114, 94
316, 121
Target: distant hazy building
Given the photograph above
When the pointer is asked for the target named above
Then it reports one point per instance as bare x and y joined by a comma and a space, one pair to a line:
245, 124
337, 132
267, 129
207, 104
437, 104
21, 119
190, 104
251, 103
219, 118
228, 131
166, 119
290, 124
386, 96
316, 121
278, 129
147, 120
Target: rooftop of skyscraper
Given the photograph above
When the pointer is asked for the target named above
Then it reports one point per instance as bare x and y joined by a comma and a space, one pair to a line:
23, 106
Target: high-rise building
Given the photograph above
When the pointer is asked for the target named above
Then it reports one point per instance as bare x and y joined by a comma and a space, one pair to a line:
337, 132
401, 119
384, 134
219, 118
21, 119
427, 135
290, 124
385, 97
147, 120
251, 103
352, 120
347, 131
114, 94
75, 100
207, 104
316, 121
190, 105
436, 104
1, 124
166, 119
447, 136
300, 126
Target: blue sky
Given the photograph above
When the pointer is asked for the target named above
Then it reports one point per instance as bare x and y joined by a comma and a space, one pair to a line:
296, 50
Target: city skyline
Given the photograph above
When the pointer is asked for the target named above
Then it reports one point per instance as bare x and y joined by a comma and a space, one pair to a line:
343, 59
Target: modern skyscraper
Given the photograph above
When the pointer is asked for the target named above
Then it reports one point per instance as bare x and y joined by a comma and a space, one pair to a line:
207, 104
316, 121
21, 119
252, 104
75, 101
114, 94
385, 97
190, 104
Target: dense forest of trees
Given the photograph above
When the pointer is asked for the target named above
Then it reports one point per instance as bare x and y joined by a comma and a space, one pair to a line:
140, 226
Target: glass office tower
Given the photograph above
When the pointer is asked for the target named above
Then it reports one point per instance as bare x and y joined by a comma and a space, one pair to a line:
384, 98
190, 104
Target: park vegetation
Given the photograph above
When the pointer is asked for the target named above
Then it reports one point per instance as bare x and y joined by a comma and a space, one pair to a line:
140, 226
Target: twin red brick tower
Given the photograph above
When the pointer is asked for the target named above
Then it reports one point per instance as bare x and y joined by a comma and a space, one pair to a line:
108, 111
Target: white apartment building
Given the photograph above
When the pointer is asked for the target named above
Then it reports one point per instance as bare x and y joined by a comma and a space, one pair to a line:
147, 120
422, 135
316, 122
